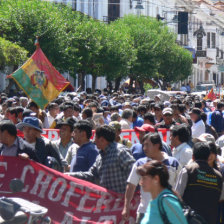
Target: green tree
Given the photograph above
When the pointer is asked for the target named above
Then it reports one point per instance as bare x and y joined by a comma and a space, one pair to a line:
11, 54
157, 54
22, 21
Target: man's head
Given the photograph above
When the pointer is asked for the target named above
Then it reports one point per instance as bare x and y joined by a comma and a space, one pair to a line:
31, 128
220, 106
115, 117
117, 126
104, 136
127, 114
149, 119
11, 114
66, 128
53, 109
195, 114
152, 145
68, 109
87, 113
167, 116
201, 151
82, 132
23, 101
33, 106
8, 132
179, 134
144, 129
158, 109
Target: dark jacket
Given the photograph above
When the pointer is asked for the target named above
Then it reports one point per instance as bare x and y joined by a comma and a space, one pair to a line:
24, 147
44, 149
203, 190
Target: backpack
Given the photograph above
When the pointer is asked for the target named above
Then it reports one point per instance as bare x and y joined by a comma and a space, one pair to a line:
191, 216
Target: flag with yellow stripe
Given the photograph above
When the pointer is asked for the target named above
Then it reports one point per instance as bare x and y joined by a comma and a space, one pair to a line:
38, 78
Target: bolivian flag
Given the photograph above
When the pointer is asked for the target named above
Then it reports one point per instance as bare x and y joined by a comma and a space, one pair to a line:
38, 78
211, 95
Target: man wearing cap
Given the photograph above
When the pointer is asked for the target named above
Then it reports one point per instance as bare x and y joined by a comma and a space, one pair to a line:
198, 126
158, 112
31, 130
86, 152
217, 120
117, 126
167, 119
137, 149
65, 141
11, 145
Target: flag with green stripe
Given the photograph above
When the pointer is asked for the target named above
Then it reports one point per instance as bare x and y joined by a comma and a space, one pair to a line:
38, 78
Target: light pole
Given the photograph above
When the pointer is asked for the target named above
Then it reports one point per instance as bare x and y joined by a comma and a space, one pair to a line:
138, 7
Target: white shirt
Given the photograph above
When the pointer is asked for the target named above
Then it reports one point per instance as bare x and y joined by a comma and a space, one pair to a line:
50, 119
134, 179
183, 153
125, 124
197, 129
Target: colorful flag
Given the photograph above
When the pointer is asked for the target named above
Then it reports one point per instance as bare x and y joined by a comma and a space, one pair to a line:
38, 78
211, 95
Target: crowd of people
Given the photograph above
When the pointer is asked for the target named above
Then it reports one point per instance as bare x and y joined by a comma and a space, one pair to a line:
188, 167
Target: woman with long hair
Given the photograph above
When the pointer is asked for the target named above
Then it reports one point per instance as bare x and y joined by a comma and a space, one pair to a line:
165, 206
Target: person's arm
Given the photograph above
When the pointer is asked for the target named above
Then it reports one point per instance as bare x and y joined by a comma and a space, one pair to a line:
130, 190
182, 182
90, 175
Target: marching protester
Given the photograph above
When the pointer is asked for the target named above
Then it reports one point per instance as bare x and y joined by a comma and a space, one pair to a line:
112, 165
152, 146
44, 150
179, 137
200, 185
87, 152
65, 141
154, 179
11, 145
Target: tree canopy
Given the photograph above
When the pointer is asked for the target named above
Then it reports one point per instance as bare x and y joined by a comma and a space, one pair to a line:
11, 54
139, 47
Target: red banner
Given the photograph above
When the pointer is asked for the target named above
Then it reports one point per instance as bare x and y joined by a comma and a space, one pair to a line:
53, 134
69, 200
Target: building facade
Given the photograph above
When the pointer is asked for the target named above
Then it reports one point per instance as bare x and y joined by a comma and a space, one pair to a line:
203, 34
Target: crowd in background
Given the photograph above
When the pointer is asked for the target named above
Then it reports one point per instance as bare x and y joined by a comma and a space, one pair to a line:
190, 163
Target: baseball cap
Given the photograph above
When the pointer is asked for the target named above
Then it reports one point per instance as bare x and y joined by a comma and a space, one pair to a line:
167, 111
115, 124
145, 127
205, 138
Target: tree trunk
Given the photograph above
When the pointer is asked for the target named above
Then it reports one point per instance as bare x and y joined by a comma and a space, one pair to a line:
93, 83
117, 84
141, 85
164, 86
81, 80
131, 85
110, 86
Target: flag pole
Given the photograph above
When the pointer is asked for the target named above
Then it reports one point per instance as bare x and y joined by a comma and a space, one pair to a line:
36, 43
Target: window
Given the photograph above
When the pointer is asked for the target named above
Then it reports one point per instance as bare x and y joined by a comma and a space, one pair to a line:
199, 44
213, 40
208, 40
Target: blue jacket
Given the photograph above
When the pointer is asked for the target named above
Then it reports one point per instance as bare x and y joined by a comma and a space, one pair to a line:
85, 157
217, 121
